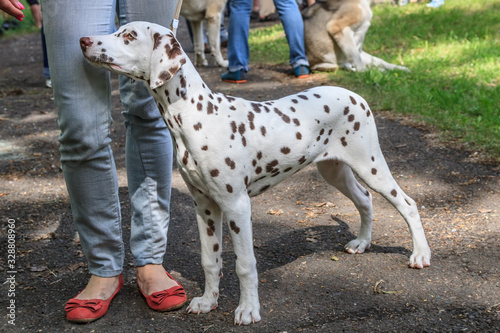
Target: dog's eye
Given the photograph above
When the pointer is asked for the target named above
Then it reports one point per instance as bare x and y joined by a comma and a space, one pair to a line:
130, 35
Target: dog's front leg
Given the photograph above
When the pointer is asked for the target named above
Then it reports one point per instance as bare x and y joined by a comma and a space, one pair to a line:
238, 217
209, 217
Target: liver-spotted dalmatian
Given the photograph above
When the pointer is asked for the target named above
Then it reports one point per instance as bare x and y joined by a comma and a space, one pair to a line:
230, 149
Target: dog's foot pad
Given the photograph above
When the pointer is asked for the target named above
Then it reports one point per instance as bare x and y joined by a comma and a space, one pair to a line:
358, 246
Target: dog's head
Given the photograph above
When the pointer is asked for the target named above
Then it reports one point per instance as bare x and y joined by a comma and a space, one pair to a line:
140, 50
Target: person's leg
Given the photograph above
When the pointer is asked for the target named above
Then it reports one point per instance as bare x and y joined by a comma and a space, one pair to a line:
149, 161
82, 97
238, 52
294, 31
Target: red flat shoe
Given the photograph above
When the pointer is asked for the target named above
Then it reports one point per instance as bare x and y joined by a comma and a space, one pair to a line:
88, 310
168, 299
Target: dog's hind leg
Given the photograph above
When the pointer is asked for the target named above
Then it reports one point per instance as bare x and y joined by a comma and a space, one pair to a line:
340, 175
213, 29
376, 174
209, 217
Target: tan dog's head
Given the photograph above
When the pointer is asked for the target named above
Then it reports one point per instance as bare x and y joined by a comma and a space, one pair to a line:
140, 50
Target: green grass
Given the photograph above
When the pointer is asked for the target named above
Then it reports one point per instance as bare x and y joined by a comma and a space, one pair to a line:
454, 56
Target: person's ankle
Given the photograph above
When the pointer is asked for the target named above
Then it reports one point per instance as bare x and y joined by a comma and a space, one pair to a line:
99, 287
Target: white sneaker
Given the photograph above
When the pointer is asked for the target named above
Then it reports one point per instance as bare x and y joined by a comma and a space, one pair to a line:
48, 83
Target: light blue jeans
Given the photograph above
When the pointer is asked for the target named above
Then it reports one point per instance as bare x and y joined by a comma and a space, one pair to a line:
83, 98
238, 52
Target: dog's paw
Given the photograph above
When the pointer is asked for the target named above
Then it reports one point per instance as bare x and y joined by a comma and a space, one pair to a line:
201, 305
223, 63
246, 314
358, 245
420, 258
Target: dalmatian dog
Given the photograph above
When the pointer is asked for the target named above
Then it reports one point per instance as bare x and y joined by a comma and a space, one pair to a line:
230, 149
334, 32
196, 12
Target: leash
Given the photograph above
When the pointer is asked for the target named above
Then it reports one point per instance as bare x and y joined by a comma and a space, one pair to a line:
175, 20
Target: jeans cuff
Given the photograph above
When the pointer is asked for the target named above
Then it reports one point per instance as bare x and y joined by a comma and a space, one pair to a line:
300, 62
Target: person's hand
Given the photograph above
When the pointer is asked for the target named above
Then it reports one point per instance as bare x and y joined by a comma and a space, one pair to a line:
12, 7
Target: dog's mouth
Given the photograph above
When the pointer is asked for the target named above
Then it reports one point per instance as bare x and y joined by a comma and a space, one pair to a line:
104, 61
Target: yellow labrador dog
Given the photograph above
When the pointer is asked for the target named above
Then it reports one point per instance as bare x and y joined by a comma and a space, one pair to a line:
334, 31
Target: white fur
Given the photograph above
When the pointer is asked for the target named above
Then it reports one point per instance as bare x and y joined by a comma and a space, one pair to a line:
229, 149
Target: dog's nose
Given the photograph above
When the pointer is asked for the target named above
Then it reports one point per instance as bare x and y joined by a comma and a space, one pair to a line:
85, 43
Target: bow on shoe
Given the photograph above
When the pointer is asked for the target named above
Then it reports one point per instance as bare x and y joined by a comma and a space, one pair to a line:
91, 304
159, 296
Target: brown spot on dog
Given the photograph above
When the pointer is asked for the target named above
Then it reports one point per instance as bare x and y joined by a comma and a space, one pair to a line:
326, 141
205, 148
394, 193
229, 188
208, 212
407, 202
185, 158
304, 97
368, 113
230, 163
234, 127
259, 155
232, 108
287, 169
157, 40
270, 166
246, 181
344, 142
214, 172
346, 111
197, 126
350, 118
373, 159
256, 107
362, 106
164, 76
243, 141
292, 109
294, 101
317, 95
263, 130
254, 162
234, 227
264, 188
302, 160
216, 247
353, 101
298, 135
241, 128
374, 171
356, 126
210, 108
327, 108
285, 150
318, 138
296, 122
258, 170
199, 106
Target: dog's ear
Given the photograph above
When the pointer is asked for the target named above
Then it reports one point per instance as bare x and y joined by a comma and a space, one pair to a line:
166, 59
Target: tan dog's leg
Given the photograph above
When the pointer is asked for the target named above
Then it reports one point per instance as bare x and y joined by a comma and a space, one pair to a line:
199, 45
213, 19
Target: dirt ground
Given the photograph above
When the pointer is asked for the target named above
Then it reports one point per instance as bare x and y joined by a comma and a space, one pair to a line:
307, 282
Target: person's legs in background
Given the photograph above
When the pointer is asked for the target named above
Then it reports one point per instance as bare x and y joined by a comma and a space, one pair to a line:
238, 51
294, 31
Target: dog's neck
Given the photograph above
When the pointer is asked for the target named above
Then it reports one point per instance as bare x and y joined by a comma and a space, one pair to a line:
185, 86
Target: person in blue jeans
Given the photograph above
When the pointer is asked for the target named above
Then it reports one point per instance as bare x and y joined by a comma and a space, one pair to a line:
82, 96
238, 51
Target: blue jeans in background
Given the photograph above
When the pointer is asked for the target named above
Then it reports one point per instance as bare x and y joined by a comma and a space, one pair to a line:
238, 51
